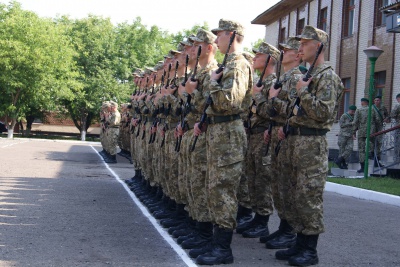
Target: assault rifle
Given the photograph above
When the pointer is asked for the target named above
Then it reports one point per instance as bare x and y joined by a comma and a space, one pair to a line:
307, 76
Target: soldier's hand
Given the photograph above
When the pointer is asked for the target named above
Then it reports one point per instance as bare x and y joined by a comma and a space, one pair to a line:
191, 86
215, 76
267, 137
300, 84
179, 130
196, 130
273, 92
354, 137
149, 97
281, 134
257, 89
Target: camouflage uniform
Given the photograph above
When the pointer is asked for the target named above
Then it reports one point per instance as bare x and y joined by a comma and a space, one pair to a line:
307, 143
197, 160
226, 141
395, 114
382, 114
113, 131
360, 126
345, 138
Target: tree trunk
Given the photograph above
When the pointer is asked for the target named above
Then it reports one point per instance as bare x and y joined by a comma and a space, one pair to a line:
83, 126
11, 127
29, 122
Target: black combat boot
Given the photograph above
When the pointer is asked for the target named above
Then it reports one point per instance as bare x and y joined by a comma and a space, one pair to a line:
308, 255
177, 219
344, 164
285, 239
221, 252
244, 219
111, 159
204, 236
259, 228
296, 249
362, 167
281, 228
338, 162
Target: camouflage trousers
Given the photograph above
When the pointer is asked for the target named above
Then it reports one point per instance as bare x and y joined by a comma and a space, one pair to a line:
134, 151
345, 144
120, 136
183, 170
308, 166
161, 160
396, 140
197, 178
280, 174
112, 137
149, 155
362, 145
171, 166
226, 146
258, 175
142, 153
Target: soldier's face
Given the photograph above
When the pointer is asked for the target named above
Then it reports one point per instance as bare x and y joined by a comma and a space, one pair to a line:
308, 49
259, 61
398, 100
377, 102
222, 41
351, 112
289, 56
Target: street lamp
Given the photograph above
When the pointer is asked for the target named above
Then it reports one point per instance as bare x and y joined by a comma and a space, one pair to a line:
372, 53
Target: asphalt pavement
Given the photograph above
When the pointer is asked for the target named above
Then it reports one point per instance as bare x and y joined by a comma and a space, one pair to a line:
61, 205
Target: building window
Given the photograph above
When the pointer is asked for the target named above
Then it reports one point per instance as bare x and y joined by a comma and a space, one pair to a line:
282, 35
348, 24
323, 15
346, 96
380, 81
380, 18
300, 26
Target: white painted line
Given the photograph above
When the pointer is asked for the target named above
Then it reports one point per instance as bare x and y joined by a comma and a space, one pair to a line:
363, 193
181, 253
14, 144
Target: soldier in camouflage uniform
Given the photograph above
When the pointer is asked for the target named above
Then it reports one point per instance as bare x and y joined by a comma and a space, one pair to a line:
307, 142
345, 137
226, 139
384, 118
103, 110
395, 115
281, 163
360, 127
196, 161
257, 165
113, 120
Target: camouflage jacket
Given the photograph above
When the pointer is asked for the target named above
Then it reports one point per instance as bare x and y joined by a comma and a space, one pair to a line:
361, 119
319, 101
279, 107
259, 116
114, 119
233, 95
197, 98
395, 114
346, 124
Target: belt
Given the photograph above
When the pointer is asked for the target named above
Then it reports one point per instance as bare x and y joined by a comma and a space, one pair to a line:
220, 119
307, 131
257, 130
276, 124
161, 120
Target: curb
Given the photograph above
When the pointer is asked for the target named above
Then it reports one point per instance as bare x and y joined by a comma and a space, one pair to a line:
362, 194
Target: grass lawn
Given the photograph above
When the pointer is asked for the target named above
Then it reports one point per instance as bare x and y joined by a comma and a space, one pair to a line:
384, 185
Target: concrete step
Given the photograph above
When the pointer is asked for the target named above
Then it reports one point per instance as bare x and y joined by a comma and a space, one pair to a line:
346, 173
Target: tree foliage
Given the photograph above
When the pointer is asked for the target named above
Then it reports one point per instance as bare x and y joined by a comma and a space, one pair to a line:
36, 66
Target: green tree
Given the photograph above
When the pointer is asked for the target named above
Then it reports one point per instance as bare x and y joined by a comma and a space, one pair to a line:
36, 66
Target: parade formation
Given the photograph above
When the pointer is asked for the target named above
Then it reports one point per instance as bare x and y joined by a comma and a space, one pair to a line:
217, 148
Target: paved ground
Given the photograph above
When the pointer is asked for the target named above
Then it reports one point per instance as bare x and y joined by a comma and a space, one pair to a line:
61, 206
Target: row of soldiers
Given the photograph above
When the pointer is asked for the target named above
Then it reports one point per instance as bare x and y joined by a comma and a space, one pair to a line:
212, 144
353, 125
109, 123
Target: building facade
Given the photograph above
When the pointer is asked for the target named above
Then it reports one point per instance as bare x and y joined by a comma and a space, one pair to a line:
353, 25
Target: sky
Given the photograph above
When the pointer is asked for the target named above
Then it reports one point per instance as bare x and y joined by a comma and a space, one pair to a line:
172, 16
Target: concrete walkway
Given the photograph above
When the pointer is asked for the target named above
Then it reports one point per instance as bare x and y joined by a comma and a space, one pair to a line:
60, 205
